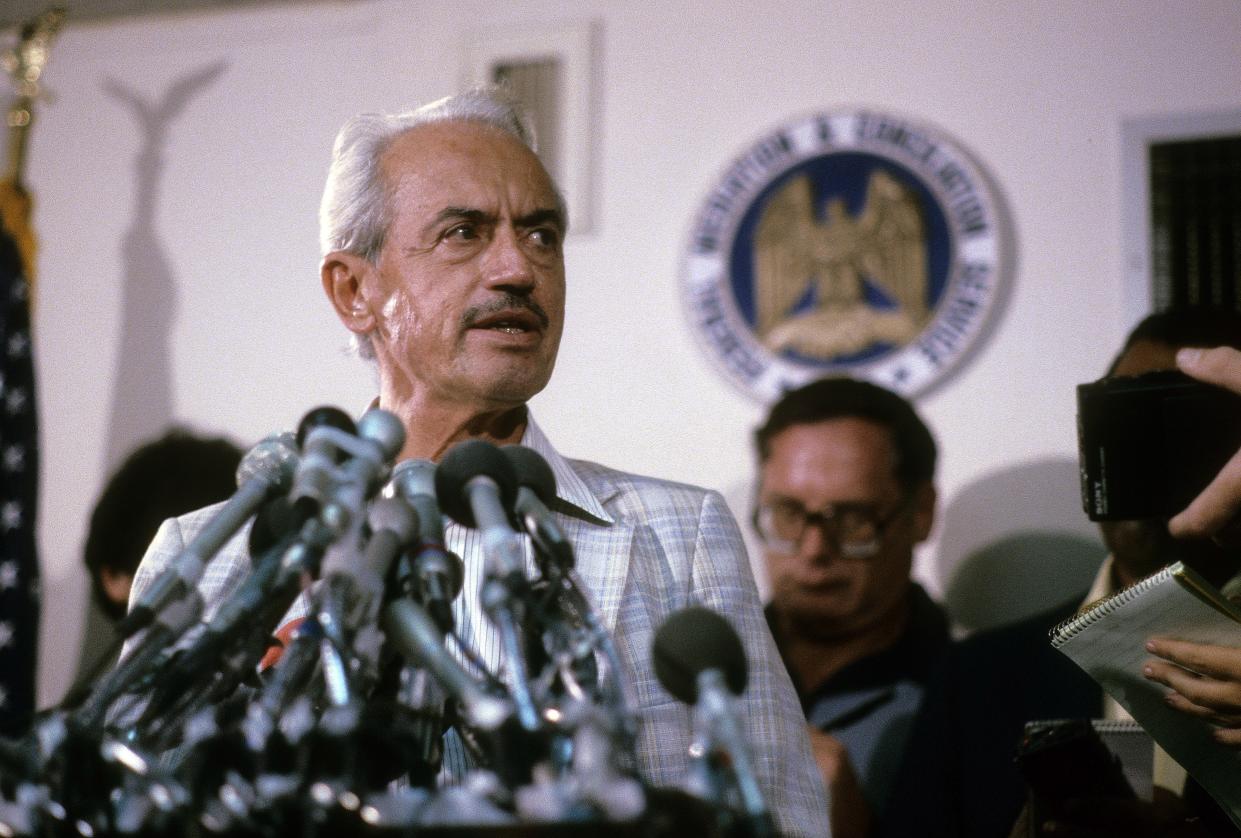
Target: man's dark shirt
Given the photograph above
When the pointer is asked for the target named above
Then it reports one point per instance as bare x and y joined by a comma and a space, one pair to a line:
960, 778
871, 703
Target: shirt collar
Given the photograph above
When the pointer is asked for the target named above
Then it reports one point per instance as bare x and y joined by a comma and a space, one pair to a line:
570, 488
1103, 586
914, 656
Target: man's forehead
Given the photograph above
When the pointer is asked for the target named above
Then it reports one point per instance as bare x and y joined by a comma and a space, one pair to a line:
845, 431
810, 447
445, 151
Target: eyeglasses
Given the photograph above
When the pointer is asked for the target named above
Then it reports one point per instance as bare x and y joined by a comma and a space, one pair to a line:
855, 529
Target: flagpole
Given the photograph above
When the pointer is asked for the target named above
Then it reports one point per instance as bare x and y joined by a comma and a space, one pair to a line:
24, 63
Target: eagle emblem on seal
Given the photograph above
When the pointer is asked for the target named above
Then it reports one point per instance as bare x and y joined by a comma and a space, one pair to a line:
837, 284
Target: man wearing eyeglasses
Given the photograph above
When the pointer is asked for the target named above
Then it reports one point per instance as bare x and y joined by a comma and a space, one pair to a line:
846, 490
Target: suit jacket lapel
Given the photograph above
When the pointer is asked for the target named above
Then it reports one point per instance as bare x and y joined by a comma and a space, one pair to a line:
601, 543
602, 552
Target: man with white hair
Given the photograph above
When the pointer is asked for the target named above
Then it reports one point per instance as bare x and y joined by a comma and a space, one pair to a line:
442, 254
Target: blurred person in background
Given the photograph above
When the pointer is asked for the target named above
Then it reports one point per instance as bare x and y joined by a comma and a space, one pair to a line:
160, 479
845, 492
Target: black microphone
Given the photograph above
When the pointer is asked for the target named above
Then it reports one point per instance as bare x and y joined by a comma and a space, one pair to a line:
341, 492
324, 416
393, 525
266, 471
536, 487
413, 631
380, 438
319, 456
698, 657
475, 484
168, 626
342, 465
349, 598
437, 573
293, 547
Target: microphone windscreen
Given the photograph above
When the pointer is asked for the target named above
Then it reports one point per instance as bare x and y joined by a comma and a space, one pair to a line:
393, 514
466, 461
325, 415
273, 459
384, 429
532, 470
692, 641
455, 575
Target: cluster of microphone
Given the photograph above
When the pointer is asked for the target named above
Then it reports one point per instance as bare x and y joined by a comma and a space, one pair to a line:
372, 711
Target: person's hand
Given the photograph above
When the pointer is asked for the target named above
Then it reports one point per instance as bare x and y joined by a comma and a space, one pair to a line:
1205, 682
1211, 513
850, 816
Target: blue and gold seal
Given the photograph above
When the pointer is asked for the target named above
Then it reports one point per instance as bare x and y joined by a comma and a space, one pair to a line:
843, 243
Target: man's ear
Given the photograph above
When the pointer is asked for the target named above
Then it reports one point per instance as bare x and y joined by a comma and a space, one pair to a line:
344, 281
924, 501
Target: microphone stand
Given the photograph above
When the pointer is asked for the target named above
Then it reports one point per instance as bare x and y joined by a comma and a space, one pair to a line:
723, 761
217, 665
171, 623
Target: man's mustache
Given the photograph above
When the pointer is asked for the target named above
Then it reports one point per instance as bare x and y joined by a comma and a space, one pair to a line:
508, 302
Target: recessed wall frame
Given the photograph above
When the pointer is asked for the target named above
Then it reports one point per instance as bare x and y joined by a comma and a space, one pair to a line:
1137, 137
551, 70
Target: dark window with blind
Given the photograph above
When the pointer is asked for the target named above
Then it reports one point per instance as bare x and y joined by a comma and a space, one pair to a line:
536, 84
1195, 192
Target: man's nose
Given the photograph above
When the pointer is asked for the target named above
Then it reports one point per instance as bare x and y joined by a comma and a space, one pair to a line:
507, 265
816, 544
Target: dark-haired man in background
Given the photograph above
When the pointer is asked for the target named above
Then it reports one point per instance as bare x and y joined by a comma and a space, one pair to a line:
169, 476
846, 490
160, 479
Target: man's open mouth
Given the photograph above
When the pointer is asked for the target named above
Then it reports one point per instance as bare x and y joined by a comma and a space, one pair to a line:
509, 322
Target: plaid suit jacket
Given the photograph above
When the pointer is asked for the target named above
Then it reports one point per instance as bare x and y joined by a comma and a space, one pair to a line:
645, 548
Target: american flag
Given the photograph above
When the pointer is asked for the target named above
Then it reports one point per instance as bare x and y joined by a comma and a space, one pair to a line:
19, 472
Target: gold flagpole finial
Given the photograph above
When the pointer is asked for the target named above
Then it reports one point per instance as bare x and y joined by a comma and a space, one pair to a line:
24, 63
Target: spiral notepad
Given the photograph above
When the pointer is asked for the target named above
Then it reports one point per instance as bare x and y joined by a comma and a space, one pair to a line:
1108, 640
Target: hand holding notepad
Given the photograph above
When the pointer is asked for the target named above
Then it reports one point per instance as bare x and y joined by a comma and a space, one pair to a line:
1108, 642
1205, 679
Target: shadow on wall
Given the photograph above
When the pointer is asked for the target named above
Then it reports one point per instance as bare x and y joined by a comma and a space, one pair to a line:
142, 395
141, 405
1016, 543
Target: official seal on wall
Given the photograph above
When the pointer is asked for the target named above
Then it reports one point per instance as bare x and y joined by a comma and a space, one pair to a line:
849, 242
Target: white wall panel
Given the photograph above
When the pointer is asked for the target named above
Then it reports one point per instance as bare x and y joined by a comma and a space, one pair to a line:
1037, 92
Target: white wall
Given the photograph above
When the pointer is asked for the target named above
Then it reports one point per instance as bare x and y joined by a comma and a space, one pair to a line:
1036, 91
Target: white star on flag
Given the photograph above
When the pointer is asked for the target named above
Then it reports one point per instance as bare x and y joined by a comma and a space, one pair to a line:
14, 458
4, 697
15, 400
11, 515
18, 344
8, 575
6, 634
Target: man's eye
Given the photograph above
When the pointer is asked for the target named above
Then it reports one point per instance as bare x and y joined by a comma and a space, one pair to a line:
787, 512
461, 232
545, 237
